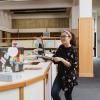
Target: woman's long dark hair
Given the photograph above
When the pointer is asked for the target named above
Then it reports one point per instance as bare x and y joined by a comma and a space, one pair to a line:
73, 40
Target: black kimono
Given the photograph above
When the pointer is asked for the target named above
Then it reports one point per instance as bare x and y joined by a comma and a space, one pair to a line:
67, 75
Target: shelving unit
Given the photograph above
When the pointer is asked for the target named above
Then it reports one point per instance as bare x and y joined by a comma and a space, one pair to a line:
27, 40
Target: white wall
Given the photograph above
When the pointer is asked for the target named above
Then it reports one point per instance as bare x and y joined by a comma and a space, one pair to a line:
75, 16
85, 8
5, 19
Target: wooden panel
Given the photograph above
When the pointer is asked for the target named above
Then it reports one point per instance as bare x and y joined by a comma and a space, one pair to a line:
85, 47
4, 35
12, 86
41, 23
21, 93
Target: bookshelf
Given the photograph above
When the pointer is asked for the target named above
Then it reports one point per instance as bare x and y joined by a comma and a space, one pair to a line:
30, 43
28, 40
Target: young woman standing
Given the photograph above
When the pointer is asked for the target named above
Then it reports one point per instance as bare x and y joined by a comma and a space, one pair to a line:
66, 57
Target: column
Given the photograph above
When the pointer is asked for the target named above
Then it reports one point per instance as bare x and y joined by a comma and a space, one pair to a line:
74, 19
85, 39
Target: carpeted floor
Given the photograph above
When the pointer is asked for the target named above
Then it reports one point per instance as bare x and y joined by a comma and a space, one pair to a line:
88, 88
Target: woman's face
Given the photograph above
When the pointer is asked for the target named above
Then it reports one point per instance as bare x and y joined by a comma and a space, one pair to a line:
65, 38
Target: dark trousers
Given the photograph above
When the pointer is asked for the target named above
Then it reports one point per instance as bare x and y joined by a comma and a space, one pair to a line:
57, 86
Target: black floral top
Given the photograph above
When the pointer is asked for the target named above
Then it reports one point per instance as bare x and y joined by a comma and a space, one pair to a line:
67, 75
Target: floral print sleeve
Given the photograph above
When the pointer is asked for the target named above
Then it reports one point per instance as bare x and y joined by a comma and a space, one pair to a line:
73, 59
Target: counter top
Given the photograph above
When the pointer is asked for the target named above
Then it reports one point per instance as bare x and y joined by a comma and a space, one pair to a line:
27, 77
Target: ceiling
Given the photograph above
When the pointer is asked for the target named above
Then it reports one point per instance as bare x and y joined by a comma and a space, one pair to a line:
33, 5
96, 3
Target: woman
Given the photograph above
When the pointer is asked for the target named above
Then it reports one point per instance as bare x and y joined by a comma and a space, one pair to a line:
67, 59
